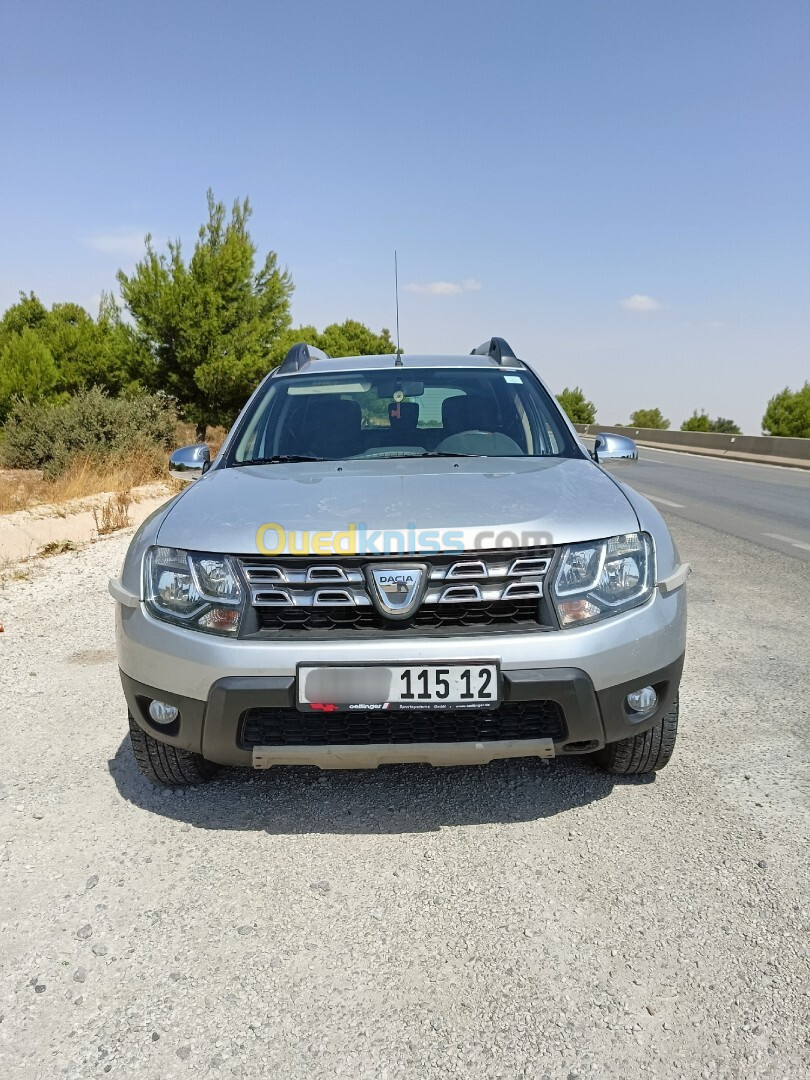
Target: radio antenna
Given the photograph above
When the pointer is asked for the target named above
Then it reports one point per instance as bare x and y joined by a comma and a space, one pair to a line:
398, 361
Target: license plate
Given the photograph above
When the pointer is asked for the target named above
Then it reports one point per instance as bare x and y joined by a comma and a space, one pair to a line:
342, 688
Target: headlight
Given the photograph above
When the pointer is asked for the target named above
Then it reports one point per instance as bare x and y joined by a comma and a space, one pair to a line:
604, 577
194, 589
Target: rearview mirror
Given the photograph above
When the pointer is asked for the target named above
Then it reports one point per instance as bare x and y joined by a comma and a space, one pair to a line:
409, 387
610, 449
190, 462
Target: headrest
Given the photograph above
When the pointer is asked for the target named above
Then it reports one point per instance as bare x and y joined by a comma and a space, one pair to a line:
333, 426
403, 414
465, 413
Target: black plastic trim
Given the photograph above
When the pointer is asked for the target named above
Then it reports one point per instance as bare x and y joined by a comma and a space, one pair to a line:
621, 722
184, 732
499, 350
592, 718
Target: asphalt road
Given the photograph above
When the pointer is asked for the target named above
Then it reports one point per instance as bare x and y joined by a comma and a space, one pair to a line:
768, 505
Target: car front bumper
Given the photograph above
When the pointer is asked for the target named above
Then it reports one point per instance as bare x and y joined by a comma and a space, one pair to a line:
587, 672
217, 727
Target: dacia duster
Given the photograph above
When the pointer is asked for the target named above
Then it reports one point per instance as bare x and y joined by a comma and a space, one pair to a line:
401, 559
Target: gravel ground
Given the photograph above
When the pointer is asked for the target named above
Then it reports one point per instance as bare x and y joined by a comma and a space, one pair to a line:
516, 920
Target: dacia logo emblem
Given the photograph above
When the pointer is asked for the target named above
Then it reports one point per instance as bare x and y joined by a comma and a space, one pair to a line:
397, 590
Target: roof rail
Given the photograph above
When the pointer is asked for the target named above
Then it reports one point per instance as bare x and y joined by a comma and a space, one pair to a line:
299, 356
500, 351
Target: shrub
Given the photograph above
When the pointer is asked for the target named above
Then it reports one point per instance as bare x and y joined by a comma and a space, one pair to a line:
724, 426
578, 408
700, 421
91, 425
649, 418
788, 414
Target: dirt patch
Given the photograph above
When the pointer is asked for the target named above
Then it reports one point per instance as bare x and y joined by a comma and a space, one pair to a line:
90, 657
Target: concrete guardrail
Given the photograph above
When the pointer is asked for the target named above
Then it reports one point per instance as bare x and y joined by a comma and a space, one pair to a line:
765, 448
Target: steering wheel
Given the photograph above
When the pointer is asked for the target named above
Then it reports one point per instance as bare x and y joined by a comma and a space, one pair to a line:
478, 441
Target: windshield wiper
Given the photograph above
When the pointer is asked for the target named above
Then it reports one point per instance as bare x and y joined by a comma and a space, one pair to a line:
280, 459
439, 453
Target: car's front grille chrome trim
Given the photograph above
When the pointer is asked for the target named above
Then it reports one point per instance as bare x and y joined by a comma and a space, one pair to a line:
328, 597
271, 597
460, 594
523, 590
473, 568
529, 566
469, 589
326, 573
265, 575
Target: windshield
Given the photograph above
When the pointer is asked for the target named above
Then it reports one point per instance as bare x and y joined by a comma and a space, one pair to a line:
414, 412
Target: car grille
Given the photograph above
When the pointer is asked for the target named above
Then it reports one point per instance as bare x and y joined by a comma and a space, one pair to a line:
287, 726
429, 616
487, 589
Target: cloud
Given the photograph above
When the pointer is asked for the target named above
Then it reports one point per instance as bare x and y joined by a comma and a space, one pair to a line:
118, 242
640, 302
446, 288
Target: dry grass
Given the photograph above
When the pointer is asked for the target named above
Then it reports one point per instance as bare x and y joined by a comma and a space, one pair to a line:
56, 547
88, 477
11, 570
187, 436
18, 573
114, 514
21, 489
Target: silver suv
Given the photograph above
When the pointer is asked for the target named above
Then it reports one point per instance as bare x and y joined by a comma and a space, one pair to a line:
401, 559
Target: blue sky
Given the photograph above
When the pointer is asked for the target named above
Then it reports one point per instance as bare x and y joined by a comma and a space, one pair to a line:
621, 189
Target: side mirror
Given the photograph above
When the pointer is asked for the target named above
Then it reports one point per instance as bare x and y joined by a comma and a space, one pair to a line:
190, 462
610, 449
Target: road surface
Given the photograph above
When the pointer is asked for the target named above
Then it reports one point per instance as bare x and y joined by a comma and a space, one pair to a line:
766, 504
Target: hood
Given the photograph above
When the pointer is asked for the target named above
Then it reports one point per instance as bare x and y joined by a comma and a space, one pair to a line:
462, 504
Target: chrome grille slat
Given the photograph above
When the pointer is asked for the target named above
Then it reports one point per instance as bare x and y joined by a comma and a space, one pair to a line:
460, 594
523, 590
488, 592
270, 597
264, 574
528, 566
473, 568
257, 573
325, 573
296, 598
325, 597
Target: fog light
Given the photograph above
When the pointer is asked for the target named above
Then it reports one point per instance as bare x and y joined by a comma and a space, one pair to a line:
162, 713
642, 701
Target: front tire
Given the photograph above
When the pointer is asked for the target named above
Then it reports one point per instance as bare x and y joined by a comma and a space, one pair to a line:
167, 765
644, 753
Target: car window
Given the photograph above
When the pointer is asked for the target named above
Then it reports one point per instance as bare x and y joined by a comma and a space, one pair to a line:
408, 413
